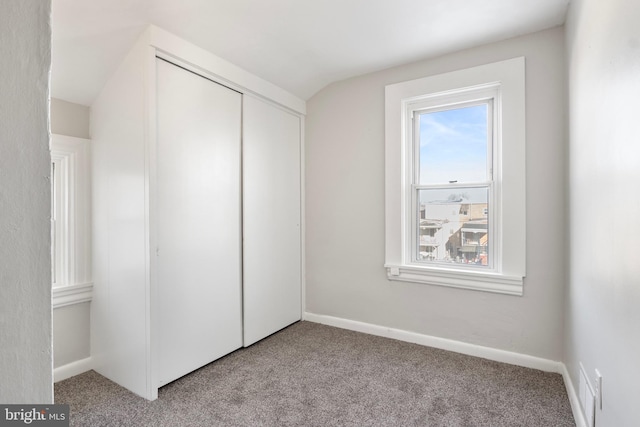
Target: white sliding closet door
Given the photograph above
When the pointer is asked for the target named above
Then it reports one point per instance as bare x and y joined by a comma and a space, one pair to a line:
271, 193
198, 217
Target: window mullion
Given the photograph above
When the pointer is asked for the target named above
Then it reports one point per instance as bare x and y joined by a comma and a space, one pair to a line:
451, 186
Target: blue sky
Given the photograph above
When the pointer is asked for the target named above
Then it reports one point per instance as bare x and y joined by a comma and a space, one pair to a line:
453, 145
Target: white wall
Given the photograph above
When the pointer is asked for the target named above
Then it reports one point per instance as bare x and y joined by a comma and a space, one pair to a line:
71, 333
603, 294
71, 337
68, 118
25, 197
345, 210
119, 316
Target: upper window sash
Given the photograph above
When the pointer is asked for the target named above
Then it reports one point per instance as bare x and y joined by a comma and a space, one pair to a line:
417, 111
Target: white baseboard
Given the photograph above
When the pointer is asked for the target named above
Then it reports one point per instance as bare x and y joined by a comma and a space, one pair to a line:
441, 343
72, 369
578, 415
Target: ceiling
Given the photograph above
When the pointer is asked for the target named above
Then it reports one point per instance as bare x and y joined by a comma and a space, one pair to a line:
299, 45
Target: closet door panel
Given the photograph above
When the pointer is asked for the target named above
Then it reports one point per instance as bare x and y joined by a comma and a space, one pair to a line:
198, 217
271, 209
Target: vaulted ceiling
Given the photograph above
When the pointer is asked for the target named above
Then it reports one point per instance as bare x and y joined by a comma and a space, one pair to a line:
299, 45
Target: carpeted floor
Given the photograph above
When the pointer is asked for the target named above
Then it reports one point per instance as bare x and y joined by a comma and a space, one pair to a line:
314, 375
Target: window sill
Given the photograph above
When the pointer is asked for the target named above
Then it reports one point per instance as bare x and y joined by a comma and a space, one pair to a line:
478, 281
72, 294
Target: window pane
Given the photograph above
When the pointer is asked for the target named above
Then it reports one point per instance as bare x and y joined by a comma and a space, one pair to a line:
453, 226
453, 145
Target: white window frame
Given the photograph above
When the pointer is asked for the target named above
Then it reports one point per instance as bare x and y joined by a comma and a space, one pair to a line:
71, 211
504, 82
61, 216
486, 94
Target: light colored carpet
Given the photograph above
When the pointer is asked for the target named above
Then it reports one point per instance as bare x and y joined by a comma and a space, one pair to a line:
314, 375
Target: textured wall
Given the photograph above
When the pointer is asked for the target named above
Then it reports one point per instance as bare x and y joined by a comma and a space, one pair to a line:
25, 202
603, 296
345, 210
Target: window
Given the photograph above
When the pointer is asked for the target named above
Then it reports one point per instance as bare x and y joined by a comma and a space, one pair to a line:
455, 179
452, 178
60, 230
70, 231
